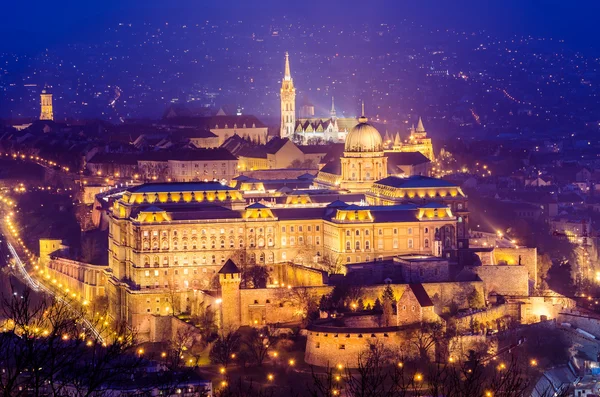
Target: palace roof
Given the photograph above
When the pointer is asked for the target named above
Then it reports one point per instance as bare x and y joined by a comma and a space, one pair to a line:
178, 187
415, 181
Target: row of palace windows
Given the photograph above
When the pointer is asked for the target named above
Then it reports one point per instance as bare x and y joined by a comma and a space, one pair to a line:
367, 245
300, 228
262, 257
194, 232
213, 244
309, 240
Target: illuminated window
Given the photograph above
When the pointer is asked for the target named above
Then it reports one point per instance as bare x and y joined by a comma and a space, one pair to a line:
410, 243
395, 244
347, 245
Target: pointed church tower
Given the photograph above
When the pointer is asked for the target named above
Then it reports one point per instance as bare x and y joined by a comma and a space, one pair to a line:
397, 142
332, 112
288, 102
420, 127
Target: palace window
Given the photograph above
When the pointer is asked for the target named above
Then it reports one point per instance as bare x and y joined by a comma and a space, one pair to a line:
292, 240
283, 229
270, 242
147, 273
231, 243
165, 261
380, 232
410, 243
357, 245
318, 240
309, 240
410, 230
380, 244
347, 245
156, 273
301, 240
426, 243
214, 259
283, 256
348, 233
309, 228
283, 242
426, 230
222, 243
318, 228
395, 244
300, 228
291, 229
395, 231
358, 232
367, 245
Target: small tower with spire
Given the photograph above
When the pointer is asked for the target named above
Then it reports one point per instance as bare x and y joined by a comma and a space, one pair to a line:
288, 102
46, 112
420, 132
332, 112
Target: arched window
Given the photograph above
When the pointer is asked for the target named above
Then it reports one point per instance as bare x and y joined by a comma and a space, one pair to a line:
426, 243
367, 245
357, 245
231, 243
410, 243
261, 242
347, 245
241, 243
426, 230
165, 261
213, 259
348, 233
146, 261
358, 232
262, 257
155, 261
447, 243
222, 243
270, 242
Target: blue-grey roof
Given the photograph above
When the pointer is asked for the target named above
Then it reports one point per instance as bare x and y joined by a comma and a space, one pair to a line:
179, 187
416, 181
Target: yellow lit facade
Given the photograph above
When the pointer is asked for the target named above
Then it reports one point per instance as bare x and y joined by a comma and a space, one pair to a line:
46, 112
168, 241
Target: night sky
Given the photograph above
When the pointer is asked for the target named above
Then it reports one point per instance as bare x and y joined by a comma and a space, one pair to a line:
29, 26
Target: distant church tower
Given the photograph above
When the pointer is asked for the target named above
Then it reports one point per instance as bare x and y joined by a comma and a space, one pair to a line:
288, 102
46, 106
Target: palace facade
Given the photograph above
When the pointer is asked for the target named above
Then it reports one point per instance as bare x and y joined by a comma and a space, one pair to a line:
166, 238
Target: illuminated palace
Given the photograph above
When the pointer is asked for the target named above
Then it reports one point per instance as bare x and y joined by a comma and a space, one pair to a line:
176, 237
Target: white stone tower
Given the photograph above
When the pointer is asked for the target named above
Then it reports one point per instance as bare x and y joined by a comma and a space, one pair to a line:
288, 102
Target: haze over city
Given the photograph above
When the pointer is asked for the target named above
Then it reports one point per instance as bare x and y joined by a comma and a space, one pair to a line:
317, 198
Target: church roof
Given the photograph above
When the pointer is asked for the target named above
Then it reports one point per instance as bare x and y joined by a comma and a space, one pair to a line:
229, 267
420, 127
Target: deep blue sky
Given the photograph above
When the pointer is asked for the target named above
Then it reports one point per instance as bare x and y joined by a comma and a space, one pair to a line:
36, 24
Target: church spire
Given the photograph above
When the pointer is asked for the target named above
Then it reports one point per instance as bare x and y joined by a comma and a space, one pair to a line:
332, 113
420, 127
288, 74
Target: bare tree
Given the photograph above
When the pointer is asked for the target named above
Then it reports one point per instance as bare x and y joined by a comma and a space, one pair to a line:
258, 343
224, 348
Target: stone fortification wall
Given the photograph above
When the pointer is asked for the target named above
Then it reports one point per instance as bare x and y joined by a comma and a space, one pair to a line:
330, 346
489, 316
513, 256
503, 280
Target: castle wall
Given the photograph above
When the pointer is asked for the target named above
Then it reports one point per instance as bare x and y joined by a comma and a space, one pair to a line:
504, 280
262, 306
463, 324
442, 294
513, 256
332, 346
